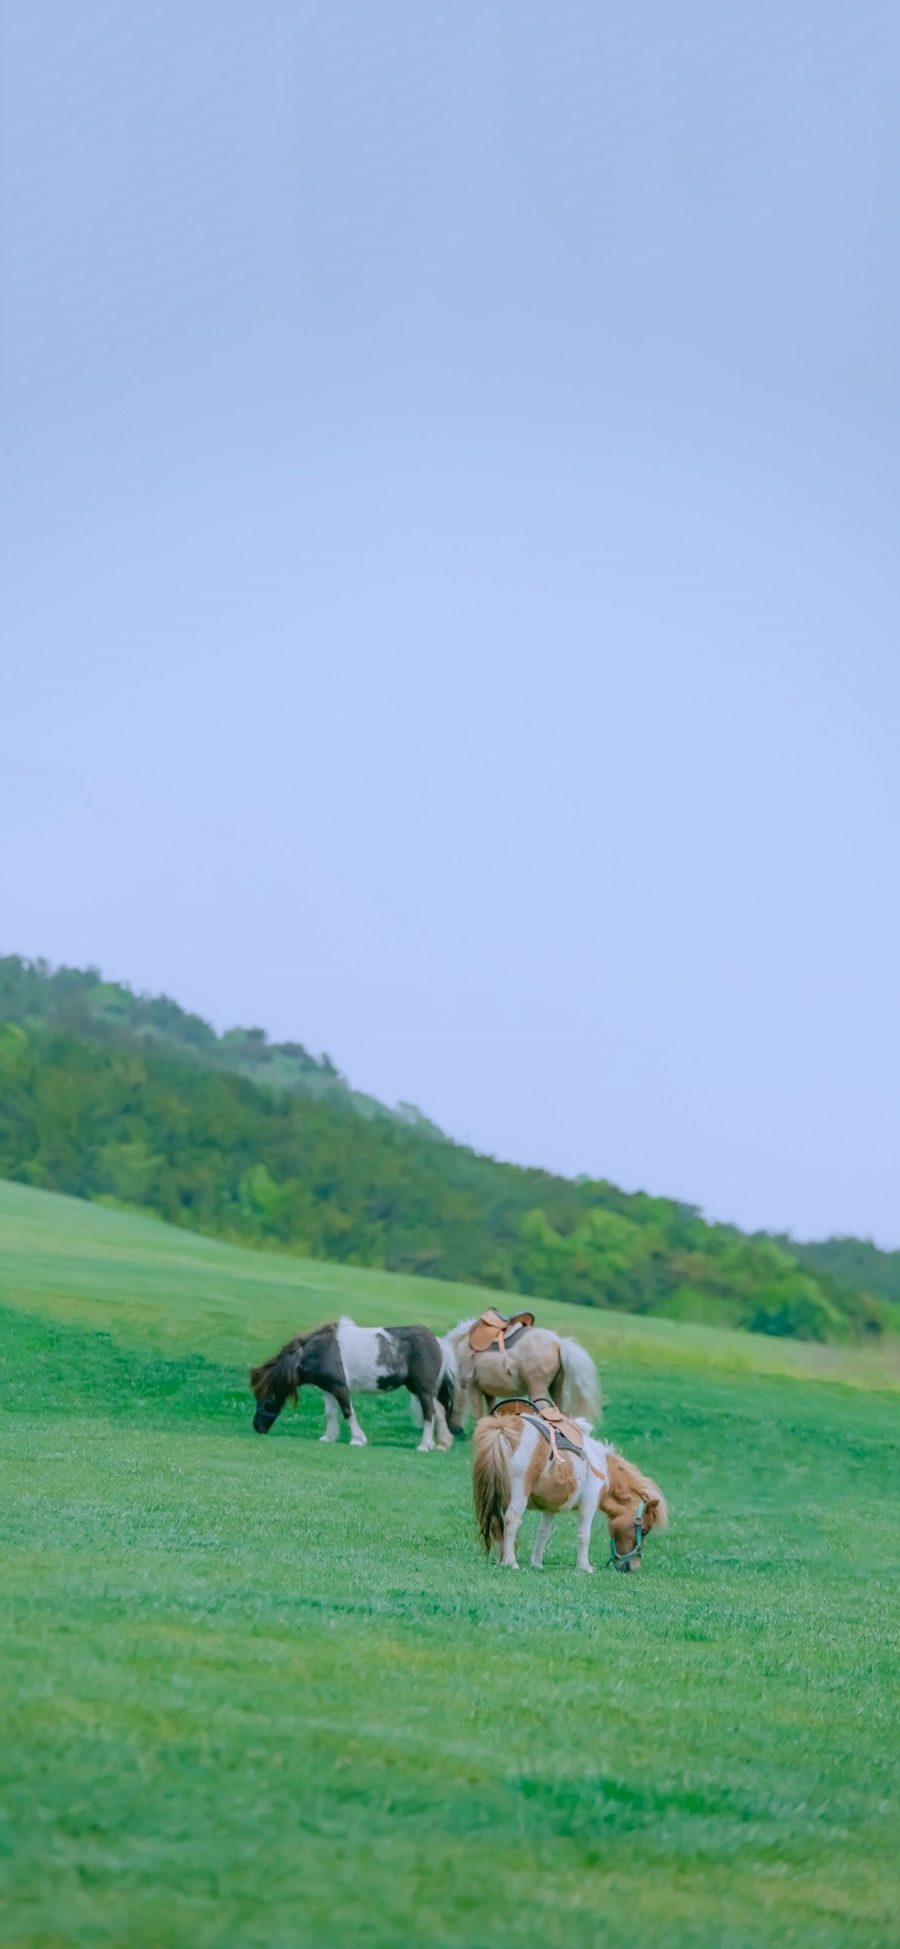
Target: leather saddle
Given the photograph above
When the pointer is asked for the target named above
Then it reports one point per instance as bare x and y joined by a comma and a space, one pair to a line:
493, 1332
555, 1426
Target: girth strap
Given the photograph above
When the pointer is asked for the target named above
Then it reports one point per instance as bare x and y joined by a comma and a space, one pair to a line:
557, 1431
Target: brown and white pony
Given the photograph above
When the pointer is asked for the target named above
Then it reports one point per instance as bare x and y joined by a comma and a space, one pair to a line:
516, 1467
538, 1364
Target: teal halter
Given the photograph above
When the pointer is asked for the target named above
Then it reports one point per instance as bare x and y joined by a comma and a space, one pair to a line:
617, 1562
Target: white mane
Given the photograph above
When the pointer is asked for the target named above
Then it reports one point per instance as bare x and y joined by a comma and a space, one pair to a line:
456, 1333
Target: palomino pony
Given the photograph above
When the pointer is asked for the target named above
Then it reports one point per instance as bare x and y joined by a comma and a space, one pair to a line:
529, 1458
342, 1357
521, 1359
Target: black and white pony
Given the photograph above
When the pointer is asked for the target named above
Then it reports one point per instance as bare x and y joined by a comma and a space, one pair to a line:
343, 1358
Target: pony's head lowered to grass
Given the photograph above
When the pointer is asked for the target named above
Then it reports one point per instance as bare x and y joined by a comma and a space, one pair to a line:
276, 1381
633, 1506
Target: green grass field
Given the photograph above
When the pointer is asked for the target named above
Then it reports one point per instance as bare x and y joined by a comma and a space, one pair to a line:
267, 1693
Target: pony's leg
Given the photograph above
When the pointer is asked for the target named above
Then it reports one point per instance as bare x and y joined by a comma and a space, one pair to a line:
342, 1396
586, 1516
450, 1414
513, 1517
443, 1437
456, 1422
457, 1413
543, 1375
427, 1405
541, 1540
332, 1423
557, 1384
477, 1400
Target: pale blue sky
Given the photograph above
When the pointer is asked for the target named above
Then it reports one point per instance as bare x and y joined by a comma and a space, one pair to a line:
451, 601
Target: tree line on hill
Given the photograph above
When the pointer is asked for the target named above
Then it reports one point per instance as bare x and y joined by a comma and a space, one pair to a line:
78, 999
130, 1100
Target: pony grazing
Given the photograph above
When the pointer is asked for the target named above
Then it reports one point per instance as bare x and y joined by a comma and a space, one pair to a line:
342, 1358
495, 1358
529, 1456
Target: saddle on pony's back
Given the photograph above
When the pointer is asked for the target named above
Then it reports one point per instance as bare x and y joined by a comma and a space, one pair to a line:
493, 1332
555, 1426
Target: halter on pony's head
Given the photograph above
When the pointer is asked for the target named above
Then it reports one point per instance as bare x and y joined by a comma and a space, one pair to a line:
615, 1561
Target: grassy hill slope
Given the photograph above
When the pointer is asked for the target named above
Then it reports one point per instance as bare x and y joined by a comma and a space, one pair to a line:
267, 1692
127, 1099
147, 1284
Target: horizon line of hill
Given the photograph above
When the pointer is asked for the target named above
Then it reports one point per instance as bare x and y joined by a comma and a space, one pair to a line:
129, 1099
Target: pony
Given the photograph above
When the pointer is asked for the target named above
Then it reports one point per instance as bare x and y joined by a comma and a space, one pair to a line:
519, 1464
342, 1357
538, 1363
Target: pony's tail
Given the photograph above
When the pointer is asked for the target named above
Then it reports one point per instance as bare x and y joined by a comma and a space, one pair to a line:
444, 1392
580, 1383
448, 1378
448, 1381
448, 1357
490, 1479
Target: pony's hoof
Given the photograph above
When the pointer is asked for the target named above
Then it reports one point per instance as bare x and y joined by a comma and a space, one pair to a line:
509, 1566
459, 1434
425, 1448
358, 1441
328, 1437
587, 1569
537, 1566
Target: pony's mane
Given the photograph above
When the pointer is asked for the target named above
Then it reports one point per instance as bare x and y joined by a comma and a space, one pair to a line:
280, 1374
455, 1334
627, 1476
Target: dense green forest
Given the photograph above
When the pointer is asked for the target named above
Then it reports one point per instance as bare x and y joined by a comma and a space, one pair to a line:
113, 1096
78, 999
853, 1262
